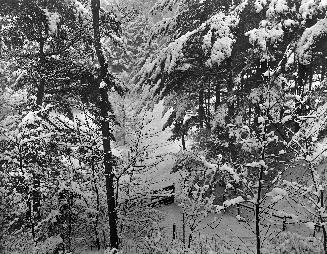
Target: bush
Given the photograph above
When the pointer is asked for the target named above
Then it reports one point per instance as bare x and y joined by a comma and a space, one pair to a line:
289, 243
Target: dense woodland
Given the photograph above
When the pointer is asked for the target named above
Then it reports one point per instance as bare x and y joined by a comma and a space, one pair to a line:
101, 100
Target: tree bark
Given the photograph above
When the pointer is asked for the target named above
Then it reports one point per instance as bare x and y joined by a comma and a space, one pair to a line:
323, 69
105, 127
36, 195
230, 87
258, 199
40, 92
96, 222
257, 212
302, 73
208, 107
183, 139
217, 102
201, 112
322, 222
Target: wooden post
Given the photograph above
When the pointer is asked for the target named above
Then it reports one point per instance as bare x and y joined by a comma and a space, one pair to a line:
174, 231
284, 223
238, 210
215, 244
184, 228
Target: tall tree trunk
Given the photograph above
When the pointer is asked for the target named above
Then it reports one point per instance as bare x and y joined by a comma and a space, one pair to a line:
208, 107
302, 72
324, 232
70, 226
217, 102
183, 137
259, 193
311, 72
201, 112
40, 92
36, 195
105, 127
230, 86
96, 222
323, 69
257, 212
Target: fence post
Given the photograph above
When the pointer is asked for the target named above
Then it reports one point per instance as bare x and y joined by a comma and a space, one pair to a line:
189, 240
238, 210
284, 223
215, 244
183, 228
174, 231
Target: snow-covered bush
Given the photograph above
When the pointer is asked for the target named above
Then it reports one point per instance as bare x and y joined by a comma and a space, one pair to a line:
293, 243
160, 245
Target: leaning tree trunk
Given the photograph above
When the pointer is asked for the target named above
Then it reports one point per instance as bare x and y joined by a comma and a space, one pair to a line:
105, 127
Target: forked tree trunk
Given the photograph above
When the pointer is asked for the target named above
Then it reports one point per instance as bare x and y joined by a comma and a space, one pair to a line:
105, 127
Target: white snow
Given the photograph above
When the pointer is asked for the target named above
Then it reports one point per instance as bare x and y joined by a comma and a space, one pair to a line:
307, 8
30, 118
102, 84
233, 201
220, 27
314, 125
277, 191
231, 171
171, 57
80, 10
277, 194
260, 36
308, 40
290, 23
268, 73
310, 225
53, 20
323, 4
257, 164
290, 60
281, 152
259, 4
282, 213
221, 49
277, 7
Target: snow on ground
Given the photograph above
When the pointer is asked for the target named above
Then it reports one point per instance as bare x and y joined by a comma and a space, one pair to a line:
224, 227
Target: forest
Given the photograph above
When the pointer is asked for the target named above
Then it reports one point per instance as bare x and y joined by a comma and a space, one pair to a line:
163, 126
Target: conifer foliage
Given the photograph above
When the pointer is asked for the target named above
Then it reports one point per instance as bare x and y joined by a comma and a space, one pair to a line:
107, 104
